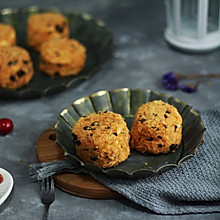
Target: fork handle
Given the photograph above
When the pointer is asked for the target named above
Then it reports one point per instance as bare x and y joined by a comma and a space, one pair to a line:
46, 212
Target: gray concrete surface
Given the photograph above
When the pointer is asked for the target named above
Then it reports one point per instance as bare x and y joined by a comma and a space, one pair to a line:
141, 56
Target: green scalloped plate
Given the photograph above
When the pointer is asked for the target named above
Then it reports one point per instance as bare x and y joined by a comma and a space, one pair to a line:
93, 33
126, 102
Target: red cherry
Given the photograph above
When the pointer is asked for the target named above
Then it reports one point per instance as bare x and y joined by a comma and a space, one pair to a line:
6, 126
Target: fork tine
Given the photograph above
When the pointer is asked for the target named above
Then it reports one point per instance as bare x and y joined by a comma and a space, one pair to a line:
47, 180
52, 183
47, 184
42, 186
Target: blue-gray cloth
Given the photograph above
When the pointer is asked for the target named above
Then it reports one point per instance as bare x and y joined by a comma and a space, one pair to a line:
192, 187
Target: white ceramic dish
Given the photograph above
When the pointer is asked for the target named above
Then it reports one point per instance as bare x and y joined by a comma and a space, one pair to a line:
6, 186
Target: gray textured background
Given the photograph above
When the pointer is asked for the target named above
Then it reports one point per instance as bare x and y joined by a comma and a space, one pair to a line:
141, 56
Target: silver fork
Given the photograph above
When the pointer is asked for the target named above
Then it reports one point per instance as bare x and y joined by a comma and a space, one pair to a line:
47, 190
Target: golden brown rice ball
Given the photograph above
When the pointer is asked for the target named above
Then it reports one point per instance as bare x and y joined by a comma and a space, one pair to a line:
16, 67
157, 128
7, 35
46, 26
101, 139
62, 57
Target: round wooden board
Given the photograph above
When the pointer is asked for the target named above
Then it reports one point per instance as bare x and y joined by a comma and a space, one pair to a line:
77, 184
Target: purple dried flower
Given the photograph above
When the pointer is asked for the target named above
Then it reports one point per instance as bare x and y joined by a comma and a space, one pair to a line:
189, 88
170, 81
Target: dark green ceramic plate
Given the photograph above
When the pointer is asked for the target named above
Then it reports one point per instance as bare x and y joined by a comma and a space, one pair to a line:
126, 102
91, 32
